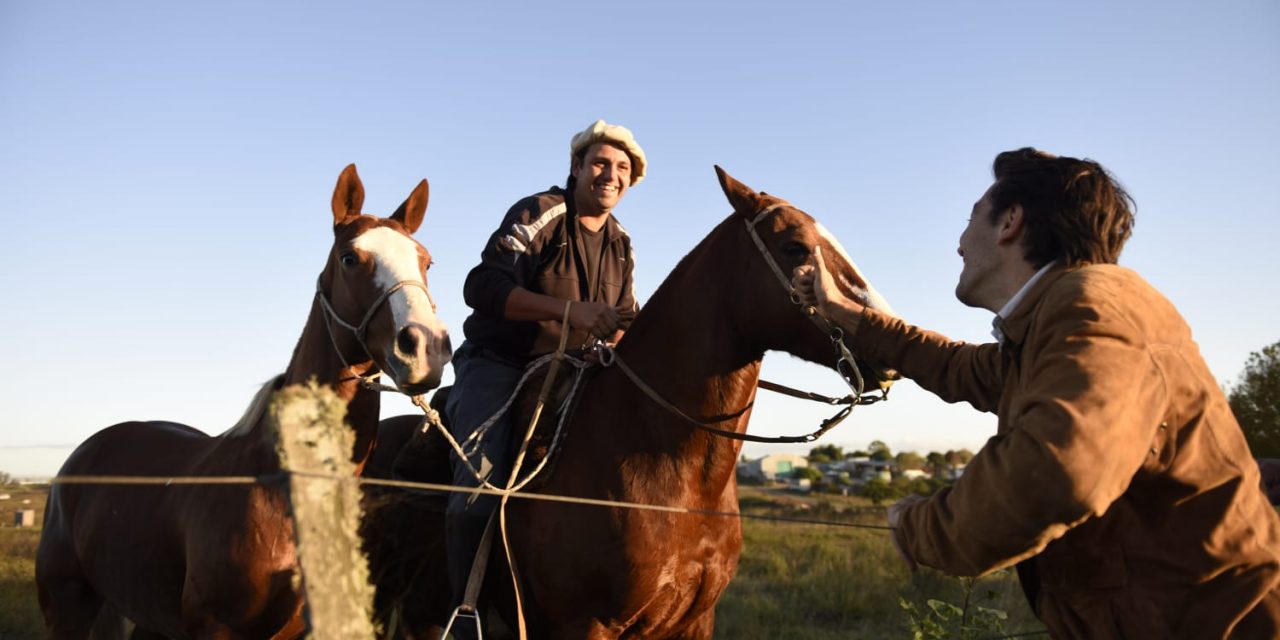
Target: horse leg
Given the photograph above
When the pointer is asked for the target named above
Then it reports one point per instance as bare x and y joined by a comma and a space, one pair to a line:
587, 629
70, 611
69, 603
143, 634
702, 628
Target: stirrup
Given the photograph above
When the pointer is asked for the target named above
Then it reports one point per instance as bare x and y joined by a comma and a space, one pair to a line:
463, 611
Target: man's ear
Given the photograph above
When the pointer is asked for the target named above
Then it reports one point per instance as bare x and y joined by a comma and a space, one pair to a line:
1010, 222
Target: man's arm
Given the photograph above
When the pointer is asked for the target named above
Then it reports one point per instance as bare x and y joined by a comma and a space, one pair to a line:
1090, 406
499, 285
954, 371
523, 305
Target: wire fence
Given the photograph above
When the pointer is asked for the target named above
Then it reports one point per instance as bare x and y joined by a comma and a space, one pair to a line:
439, 488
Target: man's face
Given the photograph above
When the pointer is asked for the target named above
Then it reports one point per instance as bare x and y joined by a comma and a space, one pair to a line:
978, 245
602, 177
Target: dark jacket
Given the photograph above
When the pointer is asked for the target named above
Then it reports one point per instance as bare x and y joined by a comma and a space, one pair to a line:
536, 247
1118, 476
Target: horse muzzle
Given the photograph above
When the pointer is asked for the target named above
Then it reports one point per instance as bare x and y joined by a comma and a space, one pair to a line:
418, 357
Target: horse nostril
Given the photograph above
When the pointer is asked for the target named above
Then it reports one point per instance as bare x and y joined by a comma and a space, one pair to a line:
409, 339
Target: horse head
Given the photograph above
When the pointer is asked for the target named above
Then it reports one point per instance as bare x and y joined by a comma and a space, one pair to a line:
374, 289
781, 237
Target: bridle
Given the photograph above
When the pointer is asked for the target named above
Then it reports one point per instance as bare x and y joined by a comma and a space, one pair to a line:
846, 365
369, 381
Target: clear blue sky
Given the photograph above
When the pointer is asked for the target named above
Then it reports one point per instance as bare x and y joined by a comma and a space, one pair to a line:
167, 167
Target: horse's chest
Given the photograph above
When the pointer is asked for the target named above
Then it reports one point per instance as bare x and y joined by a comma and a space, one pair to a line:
684, 580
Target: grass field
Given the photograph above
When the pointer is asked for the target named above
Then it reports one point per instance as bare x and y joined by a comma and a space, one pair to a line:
19, 612
795, 580
821, 581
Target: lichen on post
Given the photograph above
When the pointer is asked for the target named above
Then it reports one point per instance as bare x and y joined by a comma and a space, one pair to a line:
313, 439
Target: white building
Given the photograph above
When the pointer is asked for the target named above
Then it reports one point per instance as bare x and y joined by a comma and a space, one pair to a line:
775, 466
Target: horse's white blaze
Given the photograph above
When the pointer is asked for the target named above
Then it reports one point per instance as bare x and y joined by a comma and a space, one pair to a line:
396, 257
874, 299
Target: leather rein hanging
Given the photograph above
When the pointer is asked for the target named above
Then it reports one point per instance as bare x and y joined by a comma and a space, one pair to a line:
846, 365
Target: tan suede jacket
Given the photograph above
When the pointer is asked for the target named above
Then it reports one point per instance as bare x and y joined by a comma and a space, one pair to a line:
1118, 476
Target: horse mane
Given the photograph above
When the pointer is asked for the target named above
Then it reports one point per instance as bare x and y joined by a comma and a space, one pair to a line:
257, 407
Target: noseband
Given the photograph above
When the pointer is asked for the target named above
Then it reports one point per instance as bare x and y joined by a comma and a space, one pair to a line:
360, 330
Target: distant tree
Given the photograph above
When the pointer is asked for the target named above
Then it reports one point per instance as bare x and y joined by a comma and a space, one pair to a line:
1255, 400
825, 453
937, 461
904, 486
909, 460
5, 478
857, 453
964, 455
812, 473
879, 451
877, 491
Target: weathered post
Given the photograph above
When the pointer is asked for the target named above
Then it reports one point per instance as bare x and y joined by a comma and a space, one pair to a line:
335, 573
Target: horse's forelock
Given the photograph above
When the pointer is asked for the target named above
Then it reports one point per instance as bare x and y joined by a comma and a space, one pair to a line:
849, 277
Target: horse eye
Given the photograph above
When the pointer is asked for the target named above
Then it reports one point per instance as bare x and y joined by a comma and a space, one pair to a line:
349, 259
795, 250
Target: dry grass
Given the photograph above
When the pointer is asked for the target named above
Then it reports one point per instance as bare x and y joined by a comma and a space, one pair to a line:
795, 580
820, 582
19, 611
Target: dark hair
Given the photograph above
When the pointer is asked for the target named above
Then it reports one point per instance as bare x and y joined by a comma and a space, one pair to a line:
1074, 210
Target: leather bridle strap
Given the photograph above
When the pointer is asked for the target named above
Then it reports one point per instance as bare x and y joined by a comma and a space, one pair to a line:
846, 364
331, 316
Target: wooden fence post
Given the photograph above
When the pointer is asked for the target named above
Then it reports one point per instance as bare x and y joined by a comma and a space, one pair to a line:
312, 437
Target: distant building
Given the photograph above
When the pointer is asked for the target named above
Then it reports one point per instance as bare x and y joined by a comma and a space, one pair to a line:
24, 518
912, 474
773, 467
865, 469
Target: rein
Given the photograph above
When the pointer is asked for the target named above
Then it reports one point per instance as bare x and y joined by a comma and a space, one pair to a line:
846, 365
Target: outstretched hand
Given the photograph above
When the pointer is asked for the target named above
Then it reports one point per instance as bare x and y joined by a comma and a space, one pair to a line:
817, 288
895, 520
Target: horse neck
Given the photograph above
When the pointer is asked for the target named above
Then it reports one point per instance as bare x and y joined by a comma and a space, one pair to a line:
314, 358
686, 345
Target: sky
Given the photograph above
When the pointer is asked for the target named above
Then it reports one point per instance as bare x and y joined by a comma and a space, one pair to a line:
167, 169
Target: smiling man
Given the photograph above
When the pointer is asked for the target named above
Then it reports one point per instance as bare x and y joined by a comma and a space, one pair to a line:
1118, 481
555, 248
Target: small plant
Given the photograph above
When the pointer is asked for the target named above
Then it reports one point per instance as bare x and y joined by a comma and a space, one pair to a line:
942, 619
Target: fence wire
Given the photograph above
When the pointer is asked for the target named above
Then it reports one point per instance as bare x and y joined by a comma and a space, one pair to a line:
409, 485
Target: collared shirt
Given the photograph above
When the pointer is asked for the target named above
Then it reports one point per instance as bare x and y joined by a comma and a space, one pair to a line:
1012, 305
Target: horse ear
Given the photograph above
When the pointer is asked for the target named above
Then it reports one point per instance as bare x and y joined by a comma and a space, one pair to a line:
348, 196
745, 201
413, 208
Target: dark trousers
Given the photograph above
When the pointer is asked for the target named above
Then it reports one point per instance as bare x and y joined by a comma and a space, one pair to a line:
482, 384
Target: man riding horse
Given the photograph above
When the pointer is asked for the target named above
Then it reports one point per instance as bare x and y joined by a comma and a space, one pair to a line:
558, 253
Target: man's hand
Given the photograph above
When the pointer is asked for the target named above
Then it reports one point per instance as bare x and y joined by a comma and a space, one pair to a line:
1270, 468
895, 518
600, 319
817, 289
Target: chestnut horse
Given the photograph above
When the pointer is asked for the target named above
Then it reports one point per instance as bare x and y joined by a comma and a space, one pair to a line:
206, 561
603, 572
